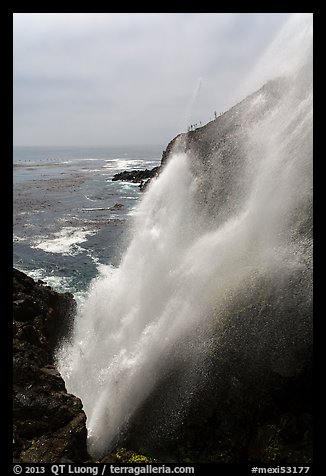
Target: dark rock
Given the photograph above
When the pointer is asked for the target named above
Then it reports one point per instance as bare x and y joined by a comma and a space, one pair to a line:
52, 311
116, 206
175, 145
49, 423
136, 176
144, 184
144, 177
26, 309
66, 443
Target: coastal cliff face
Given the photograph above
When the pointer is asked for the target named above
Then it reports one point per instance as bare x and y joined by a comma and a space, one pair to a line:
251, 399
49, 423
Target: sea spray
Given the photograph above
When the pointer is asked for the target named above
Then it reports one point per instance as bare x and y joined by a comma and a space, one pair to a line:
213, 229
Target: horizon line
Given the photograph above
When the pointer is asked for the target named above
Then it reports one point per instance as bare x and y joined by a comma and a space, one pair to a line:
87, 145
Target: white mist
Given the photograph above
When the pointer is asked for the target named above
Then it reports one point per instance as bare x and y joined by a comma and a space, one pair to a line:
180, 266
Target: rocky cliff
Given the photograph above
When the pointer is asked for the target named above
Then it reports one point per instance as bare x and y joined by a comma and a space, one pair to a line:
251, 401
49, 423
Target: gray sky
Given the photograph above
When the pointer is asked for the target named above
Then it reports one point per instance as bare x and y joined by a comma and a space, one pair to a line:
130, 78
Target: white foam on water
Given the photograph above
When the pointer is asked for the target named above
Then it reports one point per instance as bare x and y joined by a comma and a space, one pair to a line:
58, 283
85, 170
64, 241
130, 186
94, 209
123, 164
18, 239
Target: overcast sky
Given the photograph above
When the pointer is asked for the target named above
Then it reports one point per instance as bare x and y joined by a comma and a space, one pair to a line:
130, 78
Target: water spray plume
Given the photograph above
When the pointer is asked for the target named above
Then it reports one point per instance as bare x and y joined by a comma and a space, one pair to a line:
205, 233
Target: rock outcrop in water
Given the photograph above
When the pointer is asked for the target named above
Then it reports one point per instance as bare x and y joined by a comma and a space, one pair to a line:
137, 176
49, 423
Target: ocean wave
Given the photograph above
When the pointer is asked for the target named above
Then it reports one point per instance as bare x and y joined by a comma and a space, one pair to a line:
18, 239
84, 169
64, 242
125, 164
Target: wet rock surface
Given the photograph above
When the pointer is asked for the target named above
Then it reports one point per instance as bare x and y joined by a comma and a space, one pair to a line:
137, 176
49, 423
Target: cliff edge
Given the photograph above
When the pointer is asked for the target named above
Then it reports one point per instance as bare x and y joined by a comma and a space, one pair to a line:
49, 423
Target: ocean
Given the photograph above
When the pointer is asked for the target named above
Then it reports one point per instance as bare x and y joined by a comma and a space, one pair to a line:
69, 218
